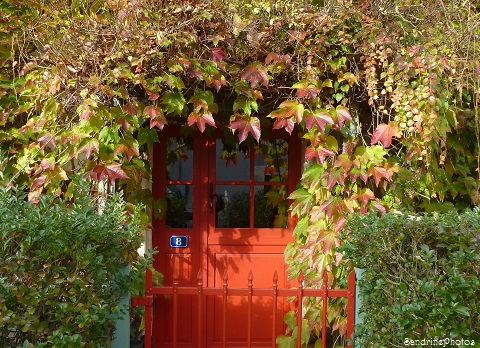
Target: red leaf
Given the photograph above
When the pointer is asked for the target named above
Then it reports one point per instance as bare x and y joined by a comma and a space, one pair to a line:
153, 95
152, 111
39, 181
320, 153
378, 206
255, 74
333, 176
379, 173
131, 108
217, 54
286, 123
274, 57
128, 148
345, 162
91, 145
33, 196
156, 117
364, 196
292, 107
385, 132
47, 163
340, 223
219, 83
245, 126
47, 139
201, 119
343, 115
111, 171
320, 118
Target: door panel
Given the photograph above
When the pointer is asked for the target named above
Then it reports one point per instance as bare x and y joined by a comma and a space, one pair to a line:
230, 201
238, 262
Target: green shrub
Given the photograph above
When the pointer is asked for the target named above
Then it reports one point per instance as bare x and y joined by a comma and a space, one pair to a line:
421, 279
60, 268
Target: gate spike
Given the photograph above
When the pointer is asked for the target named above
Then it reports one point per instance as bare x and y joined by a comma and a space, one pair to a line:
200, 275
250, 276
225, 276
275, 277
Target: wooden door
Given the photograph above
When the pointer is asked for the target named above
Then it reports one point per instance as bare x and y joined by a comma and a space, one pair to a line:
229, 200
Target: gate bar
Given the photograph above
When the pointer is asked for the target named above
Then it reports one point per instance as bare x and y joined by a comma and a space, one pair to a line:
301, 278
275, 299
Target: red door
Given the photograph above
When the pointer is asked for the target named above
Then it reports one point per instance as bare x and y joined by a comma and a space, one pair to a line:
228, 201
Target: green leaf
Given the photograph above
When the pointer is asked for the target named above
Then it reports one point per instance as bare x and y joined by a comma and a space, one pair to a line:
173, 103
147, 135
284, 341
462, 310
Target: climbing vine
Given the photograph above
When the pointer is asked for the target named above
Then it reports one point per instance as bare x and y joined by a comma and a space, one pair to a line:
383, 93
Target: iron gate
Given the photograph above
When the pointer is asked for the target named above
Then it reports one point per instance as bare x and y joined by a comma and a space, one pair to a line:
249, 292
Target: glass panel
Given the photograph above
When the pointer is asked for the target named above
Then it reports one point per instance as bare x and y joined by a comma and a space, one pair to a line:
179, 159
179, 206
271, 160
233, 206
232, 164
271, 208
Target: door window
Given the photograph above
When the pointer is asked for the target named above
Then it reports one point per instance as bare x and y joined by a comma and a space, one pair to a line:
179, 193
251, 185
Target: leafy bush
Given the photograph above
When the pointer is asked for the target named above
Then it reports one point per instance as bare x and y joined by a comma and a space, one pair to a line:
60, 270
421, 279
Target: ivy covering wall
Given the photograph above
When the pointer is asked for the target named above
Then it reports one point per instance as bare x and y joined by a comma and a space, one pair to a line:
383, 93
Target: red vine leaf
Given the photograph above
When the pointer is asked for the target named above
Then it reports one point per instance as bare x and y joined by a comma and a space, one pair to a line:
217, 54
38, 182
343, 115
129, 148
320, 118
333, 176
385, 132
255, 74
345, 162
111, 171
379, 173
201, 119
364, 195
47, 139
156, 116
286, 123
47, 164
320, 153
89, 146
131, 108
245, 126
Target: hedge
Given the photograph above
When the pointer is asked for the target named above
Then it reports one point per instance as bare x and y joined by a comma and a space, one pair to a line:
421, 279
60, 268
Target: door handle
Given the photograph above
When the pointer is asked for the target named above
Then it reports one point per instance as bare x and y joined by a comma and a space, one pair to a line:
212, 196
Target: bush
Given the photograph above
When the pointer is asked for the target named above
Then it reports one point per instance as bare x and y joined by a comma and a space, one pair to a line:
421, 279
60, 270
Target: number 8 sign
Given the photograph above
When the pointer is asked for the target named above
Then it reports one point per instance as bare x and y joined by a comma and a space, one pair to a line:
178, 241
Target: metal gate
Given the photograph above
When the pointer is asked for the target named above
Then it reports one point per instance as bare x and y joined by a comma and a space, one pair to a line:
249, 292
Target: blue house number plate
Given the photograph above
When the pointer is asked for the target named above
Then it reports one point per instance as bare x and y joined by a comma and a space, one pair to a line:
178, 241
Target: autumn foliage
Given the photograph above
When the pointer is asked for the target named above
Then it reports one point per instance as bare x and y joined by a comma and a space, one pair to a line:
385, 100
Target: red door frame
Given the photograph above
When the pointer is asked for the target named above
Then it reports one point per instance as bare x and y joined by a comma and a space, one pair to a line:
199, 246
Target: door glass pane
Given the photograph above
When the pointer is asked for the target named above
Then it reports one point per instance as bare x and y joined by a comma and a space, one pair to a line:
271, 209
179, 159
179, 206
271, 160
232, 164
233, 206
